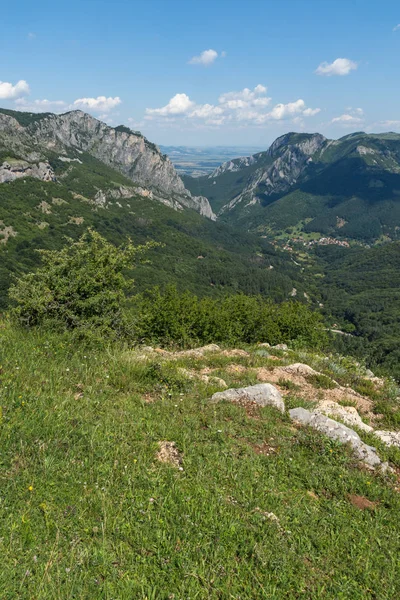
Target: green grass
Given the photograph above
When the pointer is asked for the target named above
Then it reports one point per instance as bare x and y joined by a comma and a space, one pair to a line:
319, 380
86, 510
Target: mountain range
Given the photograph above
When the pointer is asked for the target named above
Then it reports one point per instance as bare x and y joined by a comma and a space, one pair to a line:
60, 174
347, 188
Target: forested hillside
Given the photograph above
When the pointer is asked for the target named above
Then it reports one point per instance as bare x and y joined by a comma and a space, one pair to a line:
347, 188
361, 291
47, 196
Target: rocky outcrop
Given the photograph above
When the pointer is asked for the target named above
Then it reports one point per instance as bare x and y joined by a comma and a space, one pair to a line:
263, 394
16, 169
6, 232
348, 414
284, 163
231, 166
128, 152
390, 438
337, 431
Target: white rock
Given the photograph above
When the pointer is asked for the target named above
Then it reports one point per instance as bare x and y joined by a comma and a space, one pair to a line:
339, 432
347, 414
390, 438
300, 369
263, 394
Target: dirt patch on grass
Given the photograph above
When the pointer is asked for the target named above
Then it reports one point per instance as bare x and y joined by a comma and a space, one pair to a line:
207, 371
361, 502
252, 409
235, 369
149, 398
312, 495
169, 453
203, 376
263, 449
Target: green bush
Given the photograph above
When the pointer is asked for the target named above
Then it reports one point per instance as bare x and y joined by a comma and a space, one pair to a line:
183, 319
82, 286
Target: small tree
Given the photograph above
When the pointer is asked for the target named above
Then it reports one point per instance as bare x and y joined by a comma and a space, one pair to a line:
80, 286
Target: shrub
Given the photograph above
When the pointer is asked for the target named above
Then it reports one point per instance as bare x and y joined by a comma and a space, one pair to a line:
183, 319
81, 286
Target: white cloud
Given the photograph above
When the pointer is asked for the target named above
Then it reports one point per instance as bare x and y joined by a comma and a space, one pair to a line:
282, 111
105, 117
31, 36
207, 111
207, 57
347, 119
396, 28
260, 89
350, 118
244, 97
355, 111
99, 104
310, 112
247, 106
340, 66
8, 91
178, 105
41, 105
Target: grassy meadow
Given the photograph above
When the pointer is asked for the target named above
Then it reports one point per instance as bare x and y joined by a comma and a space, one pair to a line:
254, 508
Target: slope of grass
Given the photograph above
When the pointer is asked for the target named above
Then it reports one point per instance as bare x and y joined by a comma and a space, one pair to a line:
86, 510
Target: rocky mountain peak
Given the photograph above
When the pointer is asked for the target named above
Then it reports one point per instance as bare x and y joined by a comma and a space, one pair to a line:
32, 137
308, 143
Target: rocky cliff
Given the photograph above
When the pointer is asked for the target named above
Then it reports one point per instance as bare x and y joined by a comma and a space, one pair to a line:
281, 166
126, 151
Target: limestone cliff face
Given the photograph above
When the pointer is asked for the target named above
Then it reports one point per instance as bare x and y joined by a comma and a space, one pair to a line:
126, 151
20, 168
282, 165
130, 153
234, 165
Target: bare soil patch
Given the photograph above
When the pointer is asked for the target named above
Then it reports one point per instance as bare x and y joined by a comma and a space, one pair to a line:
309, 392
169, 453
362, 503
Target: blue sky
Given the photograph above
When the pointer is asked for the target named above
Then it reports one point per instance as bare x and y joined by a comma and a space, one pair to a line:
207, 72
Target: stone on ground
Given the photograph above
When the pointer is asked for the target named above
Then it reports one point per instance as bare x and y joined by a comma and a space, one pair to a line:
263, 394
347, 414
300, 369
337, 431
390, 438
